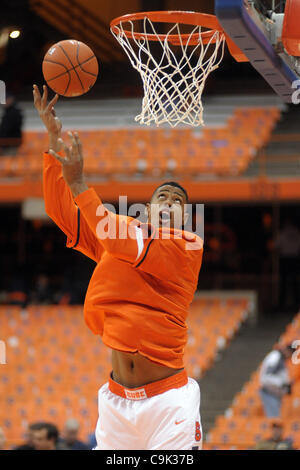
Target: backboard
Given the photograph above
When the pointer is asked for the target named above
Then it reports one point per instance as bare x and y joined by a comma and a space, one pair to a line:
256, 28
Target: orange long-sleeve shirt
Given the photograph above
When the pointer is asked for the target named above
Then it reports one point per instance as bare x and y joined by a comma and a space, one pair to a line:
141, 289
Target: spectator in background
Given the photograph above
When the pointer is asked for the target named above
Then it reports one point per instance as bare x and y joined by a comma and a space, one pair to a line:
288, 246
28, 445
17, 294
42, 292
70, 436
275, 381
276, 440
2, 439
11, 127
45, 437
92, 442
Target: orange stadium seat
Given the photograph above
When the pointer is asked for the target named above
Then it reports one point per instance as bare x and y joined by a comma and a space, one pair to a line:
155, 152
52, 375
210, 332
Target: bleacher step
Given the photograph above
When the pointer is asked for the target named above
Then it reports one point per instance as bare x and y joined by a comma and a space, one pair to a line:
227, 377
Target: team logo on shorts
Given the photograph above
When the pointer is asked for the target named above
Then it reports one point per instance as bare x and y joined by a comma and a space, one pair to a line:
198, 433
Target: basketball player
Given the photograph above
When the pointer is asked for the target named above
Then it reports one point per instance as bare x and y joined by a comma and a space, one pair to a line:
137, 299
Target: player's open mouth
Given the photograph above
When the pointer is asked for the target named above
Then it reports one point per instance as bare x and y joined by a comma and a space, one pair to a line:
164, 216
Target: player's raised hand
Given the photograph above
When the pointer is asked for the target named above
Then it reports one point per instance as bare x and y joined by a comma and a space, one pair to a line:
46, 110
72, 164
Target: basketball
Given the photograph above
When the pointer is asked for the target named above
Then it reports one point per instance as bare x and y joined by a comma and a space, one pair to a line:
70, 68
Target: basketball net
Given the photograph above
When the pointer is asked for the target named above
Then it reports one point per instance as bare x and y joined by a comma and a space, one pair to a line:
173, 84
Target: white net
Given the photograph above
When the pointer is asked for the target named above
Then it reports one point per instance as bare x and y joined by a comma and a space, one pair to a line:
173, 76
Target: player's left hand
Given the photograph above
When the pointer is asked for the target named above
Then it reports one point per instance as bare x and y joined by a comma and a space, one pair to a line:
72, 163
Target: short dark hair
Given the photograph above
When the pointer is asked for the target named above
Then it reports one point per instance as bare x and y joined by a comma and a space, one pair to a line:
172, 183
52, 431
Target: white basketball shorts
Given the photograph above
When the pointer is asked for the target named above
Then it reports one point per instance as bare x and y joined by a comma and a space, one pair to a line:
163, 415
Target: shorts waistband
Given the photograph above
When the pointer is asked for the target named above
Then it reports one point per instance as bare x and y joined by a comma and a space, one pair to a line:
149, 390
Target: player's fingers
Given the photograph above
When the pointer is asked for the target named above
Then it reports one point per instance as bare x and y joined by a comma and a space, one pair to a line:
65, 147
36, 91
75, 149
79, 145
52, 103
58, 157
78, 141
36, 96
44, 97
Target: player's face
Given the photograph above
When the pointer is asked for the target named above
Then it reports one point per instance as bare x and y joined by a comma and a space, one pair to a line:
167, 207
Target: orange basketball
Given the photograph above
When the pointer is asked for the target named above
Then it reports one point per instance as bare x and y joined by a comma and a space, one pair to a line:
70, 68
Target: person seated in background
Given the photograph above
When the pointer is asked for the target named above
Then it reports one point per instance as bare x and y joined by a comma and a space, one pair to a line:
70, 436
92, 441
28, 444
17, 289
41, 294
274, 379
11, 127
45, 436
2, 439
276, 441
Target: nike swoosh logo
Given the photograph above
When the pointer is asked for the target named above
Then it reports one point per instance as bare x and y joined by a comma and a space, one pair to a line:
178, 422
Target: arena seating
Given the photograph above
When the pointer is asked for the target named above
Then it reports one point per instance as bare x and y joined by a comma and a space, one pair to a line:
154, 153
212, 324
55, 365
244, 423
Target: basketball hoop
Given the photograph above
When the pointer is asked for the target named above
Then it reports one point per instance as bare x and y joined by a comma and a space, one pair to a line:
175, 74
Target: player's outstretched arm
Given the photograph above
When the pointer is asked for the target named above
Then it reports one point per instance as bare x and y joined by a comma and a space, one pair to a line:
91, 206
59, 203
